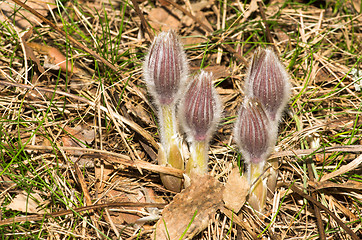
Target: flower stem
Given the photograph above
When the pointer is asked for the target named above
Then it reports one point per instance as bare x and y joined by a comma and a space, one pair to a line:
257, 197
170, 152
168, 126
199, 158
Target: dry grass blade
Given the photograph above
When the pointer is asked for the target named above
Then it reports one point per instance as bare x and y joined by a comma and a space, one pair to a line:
345, 168
77, 210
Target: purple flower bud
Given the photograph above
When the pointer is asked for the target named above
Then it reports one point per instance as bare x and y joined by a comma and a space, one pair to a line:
165, 68
254, 133
268, 81
200, 109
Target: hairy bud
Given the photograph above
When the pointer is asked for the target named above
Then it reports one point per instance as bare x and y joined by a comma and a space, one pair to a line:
200, 109
268, 81
253, 132
200, 112
165, 68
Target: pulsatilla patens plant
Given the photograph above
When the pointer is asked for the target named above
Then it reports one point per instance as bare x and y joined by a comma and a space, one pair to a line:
267, 92
165, 72
200, 112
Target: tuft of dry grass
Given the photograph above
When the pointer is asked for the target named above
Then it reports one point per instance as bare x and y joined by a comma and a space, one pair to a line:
79, 143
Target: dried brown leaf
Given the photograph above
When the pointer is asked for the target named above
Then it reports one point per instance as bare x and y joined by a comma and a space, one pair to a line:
236, 190
79, 135
23, 18
161, 20
56, 59
194, 205
24, 202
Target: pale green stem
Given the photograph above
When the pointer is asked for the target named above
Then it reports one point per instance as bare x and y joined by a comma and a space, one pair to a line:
169, 136
168, 126
254, 171
258, 190
199, 158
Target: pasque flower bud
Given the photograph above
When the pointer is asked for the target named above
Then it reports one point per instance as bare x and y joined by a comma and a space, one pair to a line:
165, 72
267, 91
254, 133
200, 112
268, 81
165, 68
200, 109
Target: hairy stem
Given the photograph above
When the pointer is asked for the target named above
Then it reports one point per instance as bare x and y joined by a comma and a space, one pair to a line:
199, 158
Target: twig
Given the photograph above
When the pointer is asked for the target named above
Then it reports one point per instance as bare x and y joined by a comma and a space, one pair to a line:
321, 206
350, 148
80, 209
267, 29
143, 20
236, 54
204, 26
87, 196
317, 212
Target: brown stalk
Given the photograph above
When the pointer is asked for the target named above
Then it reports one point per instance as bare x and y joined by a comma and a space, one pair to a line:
317, 212
87, 196
267, 29
143, 20
80, 209
321, 206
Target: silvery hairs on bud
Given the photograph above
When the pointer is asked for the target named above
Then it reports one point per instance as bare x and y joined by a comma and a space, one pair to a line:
254, 133
200, 109
165, 68
268, 81
200, 112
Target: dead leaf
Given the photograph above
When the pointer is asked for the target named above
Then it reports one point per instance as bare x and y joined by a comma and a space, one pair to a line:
161, 20
236, 190
22, 17
357, 5
27, 203
139, 111
194, 205
55, 59
30, 54
78, 136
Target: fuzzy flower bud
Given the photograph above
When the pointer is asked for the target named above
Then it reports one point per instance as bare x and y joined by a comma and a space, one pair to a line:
200, 109
268, 81
165, 68
254, 133
200, 112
